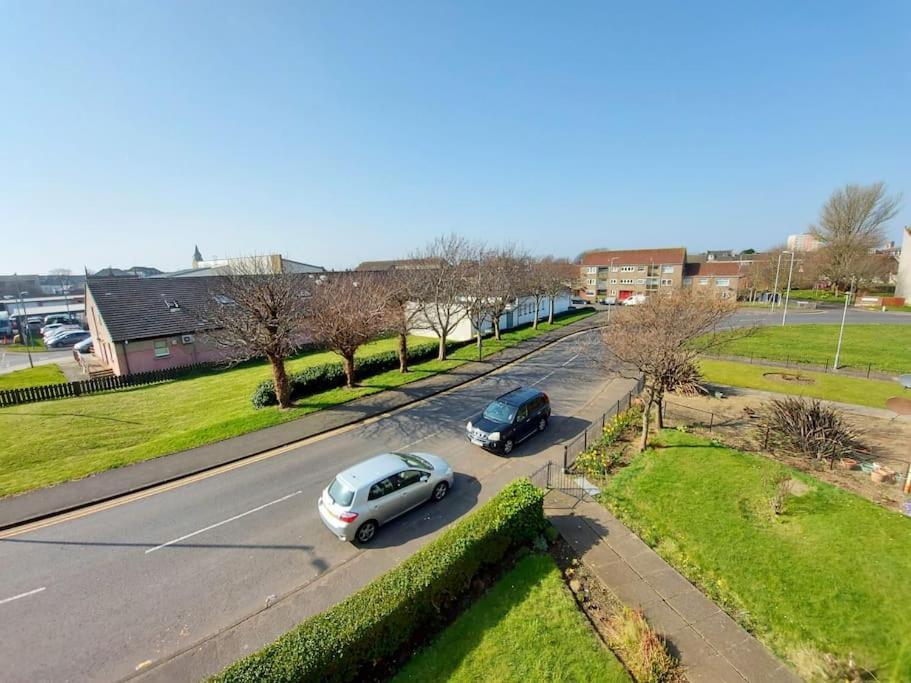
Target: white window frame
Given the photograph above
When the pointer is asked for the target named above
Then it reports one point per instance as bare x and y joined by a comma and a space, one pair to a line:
641, 269
640, 281
626, 281
162, 348
591, 270
591, 281
723, 282
687, 280
666, 282
613, 281
627, 269
703, 281
667, 269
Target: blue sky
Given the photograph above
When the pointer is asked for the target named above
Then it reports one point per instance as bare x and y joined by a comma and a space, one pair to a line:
341, 131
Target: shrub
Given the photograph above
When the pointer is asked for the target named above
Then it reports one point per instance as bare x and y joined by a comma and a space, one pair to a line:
808, 428
386, 615
332, 375
640, 648
601, 457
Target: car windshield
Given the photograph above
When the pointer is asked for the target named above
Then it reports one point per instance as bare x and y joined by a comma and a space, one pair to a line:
500, 412
414, 461
340, 493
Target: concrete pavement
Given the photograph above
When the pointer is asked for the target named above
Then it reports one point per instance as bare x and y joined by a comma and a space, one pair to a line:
110, 592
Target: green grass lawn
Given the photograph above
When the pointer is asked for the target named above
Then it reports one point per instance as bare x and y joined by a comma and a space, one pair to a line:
887, 347
526, 628
32, 377
74, 437
35, 345
826, 386
830, 575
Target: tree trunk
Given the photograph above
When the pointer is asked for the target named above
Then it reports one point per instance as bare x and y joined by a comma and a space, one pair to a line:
550, 313
496, 328
403, 352
441, 354
646, 421
348, 361
659, 418
534, 324
280, 382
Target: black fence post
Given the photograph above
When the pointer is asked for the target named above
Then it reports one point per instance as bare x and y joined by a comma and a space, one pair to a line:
711, 421
618, 407
869, 367
565, 460
827, 365
603, 421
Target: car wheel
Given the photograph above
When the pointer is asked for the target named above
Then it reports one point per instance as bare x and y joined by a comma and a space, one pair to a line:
366, 532
507, 447
440, 491
542, 424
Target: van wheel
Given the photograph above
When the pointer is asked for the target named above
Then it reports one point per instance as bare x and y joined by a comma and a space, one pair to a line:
542, 424
507, 447
366, 532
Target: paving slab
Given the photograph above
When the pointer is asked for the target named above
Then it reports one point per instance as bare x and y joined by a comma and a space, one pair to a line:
710, 645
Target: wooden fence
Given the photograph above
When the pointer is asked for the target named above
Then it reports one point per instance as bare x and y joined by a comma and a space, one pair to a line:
46, 392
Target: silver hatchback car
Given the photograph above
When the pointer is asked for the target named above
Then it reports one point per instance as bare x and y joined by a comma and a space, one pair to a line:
377, 490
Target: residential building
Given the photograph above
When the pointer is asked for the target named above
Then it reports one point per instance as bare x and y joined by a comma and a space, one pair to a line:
803, 242
135, 271
267, 263
720, 277
903, 277
521, 312
399, 264
142, 324
624, 273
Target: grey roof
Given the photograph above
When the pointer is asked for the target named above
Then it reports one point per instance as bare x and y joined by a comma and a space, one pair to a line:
137, 308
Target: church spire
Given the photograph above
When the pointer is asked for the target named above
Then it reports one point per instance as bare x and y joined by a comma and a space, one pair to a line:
197, 257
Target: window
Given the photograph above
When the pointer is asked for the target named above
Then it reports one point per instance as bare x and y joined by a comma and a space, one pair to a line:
413, 460
381, 488
613, 281
522, 415
667, 283
626, 281
687, 281
591, 270
640, 281
591, 282
162, 349
703, 281
500, 412
407, 478
627, 269
641, 269
613, 292
723, 282
340, 493
667, 269
615, 269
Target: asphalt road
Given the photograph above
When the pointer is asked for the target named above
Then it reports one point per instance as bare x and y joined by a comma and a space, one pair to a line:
93, 598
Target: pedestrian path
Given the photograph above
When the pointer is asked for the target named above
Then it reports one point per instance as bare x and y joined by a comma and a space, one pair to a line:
710, 645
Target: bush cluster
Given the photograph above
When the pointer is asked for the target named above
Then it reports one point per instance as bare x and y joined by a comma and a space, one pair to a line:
601, 457
332, 375
377, 621
809, 428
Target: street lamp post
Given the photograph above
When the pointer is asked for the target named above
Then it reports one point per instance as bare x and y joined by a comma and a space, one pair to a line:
775, 288
844, 315
24, 332
610, 269
787, 298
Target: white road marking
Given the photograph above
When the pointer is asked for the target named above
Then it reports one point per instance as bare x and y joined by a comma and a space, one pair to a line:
571, 359
417, 441
218, 524
534, 384
23, 595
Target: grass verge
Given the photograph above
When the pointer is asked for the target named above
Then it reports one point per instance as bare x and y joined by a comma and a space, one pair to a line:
32, 377
886, 347
526, 628
74, 437
825, 386
827, 576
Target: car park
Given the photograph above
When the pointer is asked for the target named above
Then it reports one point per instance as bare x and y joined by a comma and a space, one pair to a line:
67, 339
47, 330
634, 300
53, 334
64, 318
509, 420
609, 300
577, 302
374, 492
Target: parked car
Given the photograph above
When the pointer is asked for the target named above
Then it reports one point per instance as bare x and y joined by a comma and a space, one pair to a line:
85, 347
376, 491
634, 300
67, 339
60, 330
577, 302
509, 420
64, 318
609, 300
56, 327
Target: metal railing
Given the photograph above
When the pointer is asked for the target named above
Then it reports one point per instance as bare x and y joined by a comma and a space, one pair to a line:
591, 434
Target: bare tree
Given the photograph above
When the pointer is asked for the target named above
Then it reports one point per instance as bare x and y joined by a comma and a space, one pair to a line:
439, 290
507, 281
558, 276
402, 291
346, 311
250, 313
477, 276
851, 224
659, 341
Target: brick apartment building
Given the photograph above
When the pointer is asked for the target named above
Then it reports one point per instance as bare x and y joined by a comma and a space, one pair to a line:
625, 273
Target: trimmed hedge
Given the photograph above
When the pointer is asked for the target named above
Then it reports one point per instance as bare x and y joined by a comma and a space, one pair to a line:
332, 375
381, 618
